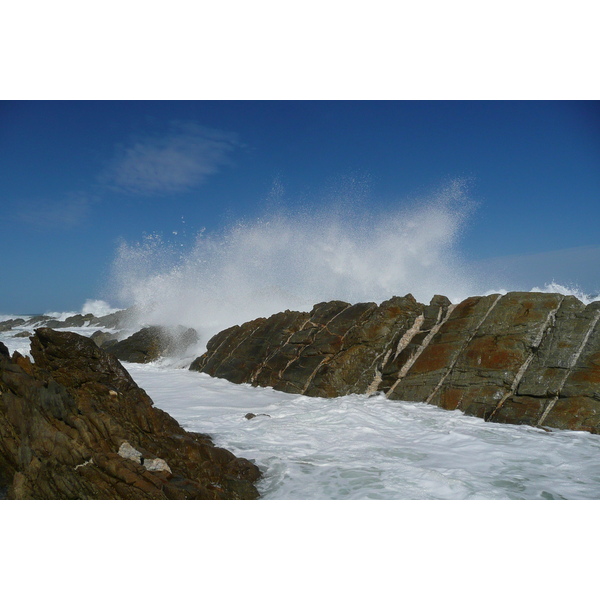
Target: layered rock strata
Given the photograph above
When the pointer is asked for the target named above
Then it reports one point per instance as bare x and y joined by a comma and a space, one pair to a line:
523, 357
74, 425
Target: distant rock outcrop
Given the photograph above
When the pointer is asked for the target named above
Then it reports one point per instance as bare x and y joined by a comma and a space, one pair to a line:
523, 358
10, 323
150, 343
74, 425
146, 345
118, 319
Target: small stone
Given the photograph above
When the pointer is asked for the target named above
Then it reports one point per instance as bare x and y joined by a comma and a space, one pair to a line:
156, 464
126, 450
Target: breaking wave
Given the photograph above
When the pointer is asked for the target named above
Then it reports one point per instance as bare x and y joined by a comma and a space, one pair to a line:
98, 308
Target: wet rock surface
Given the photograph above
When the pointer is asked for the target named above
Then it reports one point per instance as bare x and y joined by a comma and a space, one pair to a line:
522, 358
74, 425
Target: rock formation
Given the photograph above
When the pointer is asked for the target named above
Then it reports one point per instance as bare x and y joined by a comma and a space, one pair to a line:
150, 343
8, 325
146, 345
119, 319
523, 358
74, 425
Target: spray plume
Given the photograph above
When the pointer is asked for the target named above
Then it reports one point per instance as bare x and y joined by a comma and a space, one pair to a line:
294, 260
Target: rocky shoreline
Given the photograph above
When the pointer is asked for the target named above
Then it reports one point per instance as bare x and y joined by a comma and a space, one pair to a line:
73, 423
521, 358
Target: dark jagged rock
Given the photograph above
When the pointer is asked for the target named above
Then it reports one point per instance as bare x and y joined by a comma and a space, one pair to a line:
76, 321
104, 339
150, 343
10, 323
523, 358
74, 425
119, 319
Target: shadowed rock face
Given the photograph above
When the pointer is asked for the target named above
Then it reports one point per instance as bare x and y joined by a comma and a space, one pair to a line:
523, 358
74, 425
150, 343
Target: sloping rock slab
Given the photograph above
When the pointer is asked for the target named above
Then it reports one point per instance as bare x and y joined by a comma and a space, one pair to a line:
74, 425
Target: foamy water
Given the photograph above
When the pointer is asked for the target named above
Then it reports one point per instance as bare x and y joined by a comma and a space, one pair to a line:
355, 447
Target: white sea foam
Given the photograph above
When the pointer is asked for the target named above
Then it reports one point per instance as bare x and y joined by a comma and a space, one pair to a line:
60, 316
356, 447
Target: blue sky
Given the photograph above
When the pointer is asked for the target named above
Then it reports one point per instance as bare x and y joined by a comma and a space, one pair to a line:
80, 177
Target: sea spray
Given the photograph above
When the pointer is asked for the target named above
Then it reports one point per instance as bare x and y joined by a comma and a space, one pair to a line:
557, 288
292, 260
99, 308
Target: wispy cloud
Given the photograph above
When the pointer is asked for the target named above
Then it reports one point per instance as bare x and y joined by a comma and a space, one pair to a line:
176, 162
68, 212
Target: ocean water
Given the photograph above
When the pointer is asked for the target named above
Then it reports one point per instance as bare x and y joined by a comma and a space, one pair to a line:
369, 448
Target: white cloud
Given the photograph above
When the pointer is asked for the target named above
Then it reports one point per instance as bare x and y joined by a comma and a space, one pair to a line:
178, 161
65, 213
